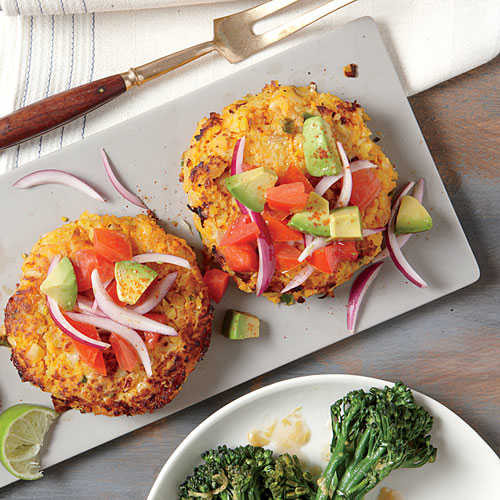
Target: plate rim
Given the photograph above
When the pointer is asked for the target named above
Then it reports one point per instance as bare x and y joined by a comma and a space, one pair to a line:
237, 403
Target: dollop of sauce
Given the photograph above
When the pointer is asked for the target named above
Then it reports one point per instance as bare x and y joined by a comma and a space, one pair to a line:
388, 494
287, 434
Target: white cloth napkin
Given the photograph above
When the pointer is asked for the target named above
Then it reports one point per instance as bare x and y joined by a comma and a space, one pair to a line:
49, 7
429, 41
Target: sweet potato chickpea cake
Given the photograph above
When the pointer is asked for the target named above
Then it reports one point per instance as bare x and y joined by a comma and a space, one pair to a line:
48, 358
272, 123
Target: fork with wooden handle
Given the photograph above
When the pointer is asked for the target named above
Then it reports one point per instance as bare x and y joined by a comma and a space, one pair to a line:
233, 38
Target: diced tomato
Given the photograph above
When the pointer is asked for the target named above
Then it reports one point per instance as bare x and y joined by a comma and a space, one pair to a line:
112, 245
286, 256
241, 258
243, 230
346, 250
151, 338
324, 259
280, 231
216, 281
294, 174
287, 197
84, 262
111, 289
365, 188
91, 356
275, 214
125, 354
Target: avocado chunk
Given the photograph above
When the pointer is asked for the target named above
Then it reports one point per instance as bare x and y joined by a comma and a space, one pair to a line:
132, 279
345, 224
320, 150
315, 219
61, 285
250, 187
240, 325
412, 217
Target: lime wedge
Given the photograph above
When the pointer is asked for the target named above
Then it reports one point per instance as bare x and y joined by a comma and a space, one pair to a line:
22, 430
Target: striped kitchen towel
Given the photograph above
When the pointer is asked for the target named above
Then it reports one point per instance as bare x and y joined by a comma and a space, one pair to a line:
49, 7
40, 55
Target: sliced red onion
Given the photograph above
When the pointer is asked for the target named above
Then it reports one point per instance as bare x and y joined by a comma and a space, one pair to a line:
132, 337
368, 232
314, 245
326, 182
122, 190
358, 290
402, 238
52, 176
124, 316
299, 278
156, 294
418, 192
267, 259
346, 191
237, 164
63, 324
86, 306
395, 250
163, 258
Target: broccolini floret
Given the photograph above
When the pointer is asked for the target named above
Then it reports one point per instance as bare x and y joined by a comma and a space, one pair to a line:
374, 433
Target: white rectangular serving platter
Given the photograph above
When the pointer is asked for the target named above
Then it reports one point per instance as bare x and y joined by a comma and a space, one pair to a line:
147, 150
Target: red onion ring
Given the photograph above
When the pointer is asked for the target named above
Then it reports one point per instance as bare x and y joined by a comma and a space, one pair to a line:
132, 337
122, 315
156, 294
119, 187
163, 258
326, 182
299, 278
358, 290
395, 250
346, 191
53, 176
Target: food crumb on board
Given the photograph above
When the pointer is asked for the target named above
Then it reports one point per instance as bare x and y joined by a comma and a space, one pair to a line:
351, 70
64, 219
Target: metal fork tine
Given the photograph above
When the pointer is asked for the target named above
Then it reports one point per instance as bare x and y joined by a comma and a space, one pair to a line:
267, 8
275, 34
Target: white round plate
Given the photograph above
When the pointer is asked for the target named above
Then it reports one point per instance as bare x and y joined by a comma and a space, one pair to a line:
466, 467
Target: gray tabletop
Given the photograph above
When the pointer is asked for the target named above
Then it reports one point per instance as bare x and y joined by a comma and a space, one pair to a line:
454, 358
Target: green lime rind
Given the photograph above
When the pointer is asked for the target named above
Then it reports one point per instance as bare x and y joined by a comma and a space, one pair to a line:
22, 431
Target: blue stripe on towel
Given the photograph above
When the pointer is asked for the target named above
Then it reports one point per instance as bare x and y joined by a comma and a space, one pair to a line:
27, 79
51, 67
62, 6
92, 63
71, 66
17, 7
40, 7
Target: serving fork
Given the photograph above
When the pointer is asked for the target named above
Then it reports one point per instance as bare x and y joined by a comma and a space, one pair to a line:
234, 39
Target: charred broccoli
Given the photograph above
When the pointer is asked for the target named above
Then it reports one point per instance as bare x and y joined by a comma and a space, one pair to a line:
247, 473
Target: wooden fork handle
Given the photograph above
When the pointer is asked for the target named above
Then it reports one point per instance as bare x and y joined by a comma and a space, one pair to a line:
50, 113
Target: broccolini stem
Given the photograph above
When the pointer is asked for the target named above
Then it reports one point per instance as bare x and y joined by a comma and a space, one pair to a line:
356, 473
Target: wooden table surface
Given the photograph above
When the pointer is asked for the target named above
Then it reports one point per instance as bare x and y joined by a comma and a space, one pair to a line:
448, 349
